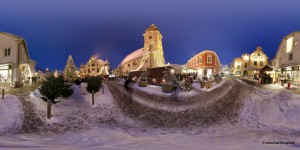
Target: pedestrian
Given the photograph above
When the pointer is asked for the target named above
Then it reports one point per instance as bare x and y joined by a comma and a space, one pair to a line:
127, 81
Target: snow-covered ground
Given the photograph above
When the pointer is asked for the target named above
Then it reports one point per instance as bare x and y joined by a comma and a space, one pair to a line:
266, 116
10, 112
79, 106
272, 111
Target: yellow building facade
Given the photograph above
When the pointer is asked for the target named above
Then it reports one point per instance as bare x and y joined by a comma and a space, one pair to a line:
250, 64
94, 67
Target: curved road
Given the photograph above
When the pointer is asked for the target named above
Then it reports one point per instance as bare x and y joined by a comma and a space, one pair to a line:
223, 108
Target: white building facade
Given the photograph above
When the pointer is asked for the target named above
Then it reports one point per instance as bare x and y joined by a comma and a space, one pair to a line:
287, 59
16, 67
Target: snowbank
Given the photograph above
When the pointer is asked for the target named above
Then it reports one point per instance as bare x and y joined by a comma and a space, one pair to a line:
10, 112
271, 110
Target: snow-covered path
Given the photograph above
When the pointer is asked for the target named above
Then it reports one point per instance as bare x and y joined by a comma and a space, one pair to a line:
198, 110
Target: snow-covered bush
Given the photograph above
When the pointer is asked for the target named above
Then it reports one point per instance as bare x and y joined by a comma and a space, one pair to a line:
185, 86
143, 77
54, 87
170, 82
142, 80
217, 77
169, 77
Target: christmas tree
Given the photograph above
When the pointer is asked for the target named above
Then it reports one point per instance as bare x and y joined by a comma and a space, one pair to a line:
70, 74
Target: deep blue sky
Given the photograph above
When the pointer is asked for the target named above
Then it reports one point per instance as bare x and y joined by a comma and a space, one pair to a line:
114, 28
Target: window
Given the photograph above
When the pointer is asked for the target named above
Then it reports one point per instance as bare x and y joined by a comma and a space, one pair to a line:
291, 56
261, 63
274, 63
245, 65
255, 63
93, 64
200, 60
134, 63
196, 61
238, 66
150, 37
296, 43
209, 59
98, 70
89, 71
128, 65
7, 52
280, 61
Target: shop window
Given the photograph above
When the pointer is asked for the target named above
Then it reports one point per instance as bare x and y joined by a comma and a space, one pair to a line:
291, 56
7, 52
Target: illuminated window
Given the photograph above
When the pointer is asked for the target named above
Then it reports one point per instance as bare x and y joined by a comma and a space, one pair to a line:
7, 52
289, 44
291, 56
261, 63
296, 43
209, 59
255, 63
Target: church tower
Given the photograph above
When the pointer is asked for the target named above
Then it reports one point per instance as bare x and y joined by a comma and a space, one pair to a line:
153, 44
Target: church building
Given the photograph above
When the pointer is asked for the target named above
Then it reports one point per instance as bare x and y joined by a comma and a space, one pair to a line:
149, 56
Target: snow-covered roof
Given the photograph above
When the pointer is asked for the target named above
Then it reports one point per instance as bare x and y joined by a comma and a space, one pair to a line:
134, 55
101, 61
